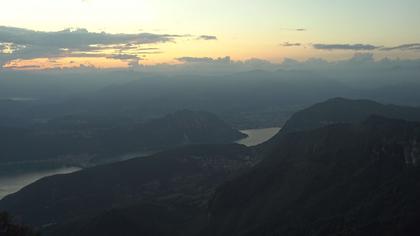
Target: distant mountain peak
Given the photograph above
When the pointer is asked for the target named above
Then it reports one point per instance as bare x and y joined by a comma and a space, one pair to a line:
343, 110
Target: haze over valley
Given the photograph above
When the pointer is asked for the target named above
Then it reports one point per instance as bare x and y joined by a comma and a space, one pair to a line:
209, 118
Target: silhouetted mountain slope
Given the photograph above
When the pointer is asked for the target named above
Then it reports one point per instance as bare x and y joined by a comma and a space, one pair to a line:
178, 179
10, 228
340, 110
335, 170
142, 219
70, 137
342, 179
249, 99
179, 128
246, 100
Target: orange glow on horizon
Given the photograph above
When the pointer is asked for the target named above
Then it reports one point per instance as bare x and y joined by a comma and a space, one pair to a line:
66, 63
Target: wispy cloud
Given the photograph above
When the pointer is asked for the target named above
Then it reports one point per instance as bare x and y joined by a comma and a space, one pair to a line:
294, 29
411, 46
354, 47
222, 60
123, 57
206, 37
287, 44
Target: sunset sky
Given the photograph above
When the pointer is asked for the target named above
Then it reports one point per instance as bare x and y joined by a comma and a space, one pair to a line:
127, 33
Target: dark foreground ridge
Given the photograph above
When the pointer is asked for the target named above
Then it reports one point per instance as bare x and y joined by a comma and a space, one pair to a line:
339, 180
172, 185
10, 228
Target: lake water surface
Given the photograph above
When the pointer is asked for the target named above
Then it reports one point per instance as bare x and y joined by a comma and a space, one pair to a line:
258, 136
13, 183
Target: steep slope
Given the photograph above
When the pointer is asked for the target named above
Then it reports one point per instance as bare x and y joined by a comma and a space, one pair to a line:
182, 178
342, 179
335, 170
179, 128
150, 218
9, 228
340, 110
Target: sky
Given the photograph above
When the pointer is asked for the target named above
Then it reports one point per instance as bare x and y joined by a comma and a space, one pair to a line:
129, 33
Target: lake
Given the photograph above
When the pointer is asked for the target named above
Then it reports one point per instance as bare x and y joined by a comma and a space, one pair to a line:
13, 183
258, 136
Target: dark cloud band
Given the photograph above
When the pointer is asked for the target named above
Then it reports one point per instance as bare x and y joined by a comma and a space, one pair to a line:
29, 44
366, 47
411, 46
222, 60
354, 47
287, 44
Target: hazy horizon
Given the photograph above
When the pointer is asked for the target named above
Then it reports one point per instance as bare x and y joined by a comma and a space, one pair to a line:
209, 117
131, 34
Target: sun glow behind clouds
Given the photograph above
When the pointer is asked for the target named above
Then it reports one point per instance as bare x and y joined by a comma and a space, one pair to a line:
238, 28
66, 63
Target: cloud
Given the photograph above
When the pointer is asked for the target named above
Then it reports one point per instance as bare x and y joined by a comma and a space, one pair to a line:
133, 60
357, 68
124, 57
25, 67
134, 63
287, 44
354, 47
206, 37
78, 38
294, 29
412, 46
360, 65
366, 47
211, 66
362, 58
220, 60
29, 44
252, 63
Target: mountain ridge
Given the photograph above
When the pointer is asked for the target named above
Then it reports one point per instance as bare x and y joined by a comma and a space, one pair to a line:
185, 176
358, 176
290, 192
75, 138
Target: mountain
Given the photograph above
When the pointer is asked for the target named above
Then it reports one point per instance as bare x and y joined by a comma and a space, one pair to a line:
249, 99
175, 184
73, 138
180, 128
140, 219
9, 228
336, 169
340, 110
245, 100
343, 179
